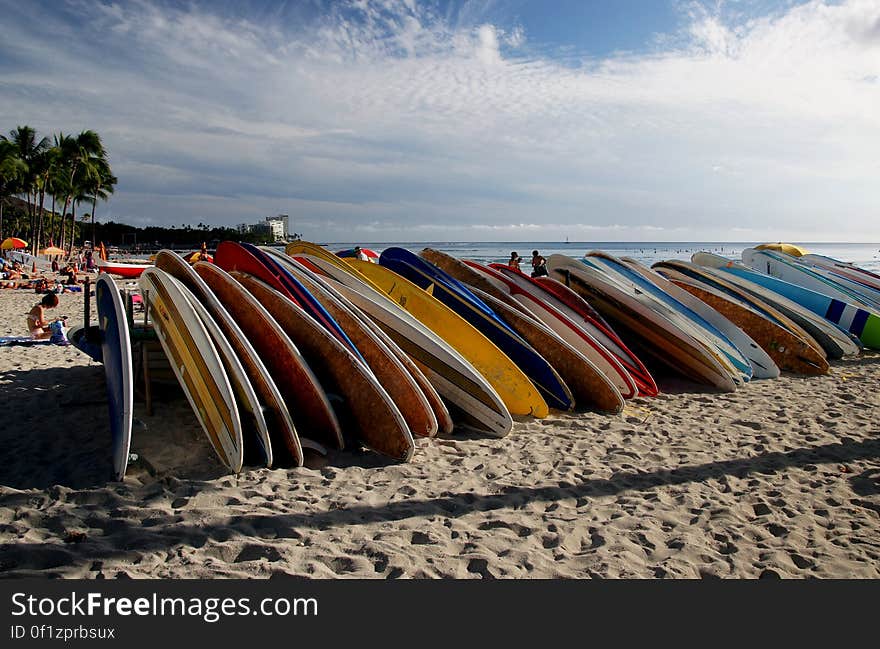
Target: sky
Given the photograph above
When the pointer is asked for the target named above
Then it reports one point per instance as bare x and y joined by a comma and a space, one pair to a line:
474, 120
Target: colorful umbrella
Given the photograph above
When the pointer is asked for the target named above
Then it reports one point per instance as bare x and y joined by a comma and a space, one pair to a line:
52, 251
11, 243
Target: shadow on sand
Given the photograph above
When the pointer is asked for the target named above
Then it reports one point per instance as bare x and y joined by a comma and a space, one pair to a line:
167, 532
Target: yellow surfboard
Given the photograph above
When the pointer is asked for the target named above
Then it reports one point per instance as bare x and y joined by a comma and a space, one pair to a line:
516, 391
308, 249
196, 364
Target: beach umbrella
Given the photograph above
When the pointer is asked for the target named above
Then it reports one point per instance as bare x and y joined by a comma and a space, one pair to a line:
364, 254
12, 243
787, 248
52, 251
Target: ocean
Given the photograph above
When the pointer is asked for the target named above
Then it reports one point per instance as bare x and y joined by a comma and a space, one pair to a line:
866, 255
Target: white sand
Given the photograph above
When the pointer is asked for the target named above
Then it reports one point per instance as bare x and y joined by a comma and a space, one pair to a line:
781, 478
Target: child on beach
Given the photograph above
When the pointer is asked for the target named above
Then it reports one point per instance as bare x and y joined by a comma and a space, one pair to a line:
37, 324
514, 261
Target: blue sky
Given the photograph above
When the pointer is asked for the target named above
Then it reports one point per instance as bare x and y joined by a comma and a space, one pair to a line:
396, 120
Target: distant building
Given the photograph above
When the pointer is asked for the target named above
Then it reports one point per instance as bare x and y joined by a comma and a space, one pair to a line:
261, 228
278, 226
274, 227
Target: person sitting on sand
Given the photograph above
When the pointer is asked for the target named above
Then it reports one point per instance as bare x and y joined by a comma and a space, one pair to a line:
70, 271
514, 261
37, 324
539, 265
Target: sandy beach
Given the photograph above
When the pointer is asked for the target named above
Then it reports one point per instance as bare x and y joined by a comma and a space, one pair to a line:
780, 479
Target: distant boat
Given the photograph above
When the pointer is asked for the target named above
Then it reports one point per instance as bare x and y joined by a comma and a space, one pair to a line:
566, 240
122, 269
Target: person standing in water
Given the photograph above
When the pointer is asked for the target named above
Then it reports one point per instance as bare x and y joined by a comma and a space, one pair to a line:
539, 265
514, 261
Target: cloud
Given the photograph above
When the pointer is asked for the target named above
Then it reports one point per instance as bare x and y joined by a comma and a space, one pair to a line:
400, 117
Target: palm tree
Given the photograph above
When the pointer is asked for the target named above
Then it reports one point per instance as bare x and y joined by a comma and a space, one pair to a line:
12, 172
28, 150
101, 185
79, 156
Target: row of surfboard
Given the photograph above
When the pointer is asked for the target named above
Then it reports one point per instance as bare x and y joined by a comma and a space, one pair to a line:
277, 352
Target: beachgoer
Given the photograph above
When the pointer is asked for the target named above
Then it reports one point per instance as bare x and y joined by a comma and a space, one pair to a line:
539, 265
37, 324
514, 261
70, 271
360, 254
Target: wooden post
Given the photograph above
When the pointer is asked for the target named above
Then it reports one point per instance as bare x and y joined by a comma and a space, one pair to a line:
145, 357
87, 304
148, 391
129, 309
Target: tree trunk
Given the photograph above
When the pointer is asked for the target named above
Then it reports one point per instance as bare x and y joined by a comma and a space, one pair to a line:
30, 219
63, 221
40, 220
72, 228
52, 236
94, 207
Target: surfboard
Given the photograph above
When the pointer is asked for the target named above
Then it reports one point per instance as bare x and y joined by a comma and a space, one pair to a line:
245, 396
455, 378
250, 259
790, 352
649, 293
116, 357
518, 393
866, 293
300, 249
831, 338
762, 365
278, 435
658, 336
197, 365
382, 361
588, 384
582, 312
473, 278
445, 424
296, 382
860, 322
372, 414
776, 265
459, 299
849, 270
578, 333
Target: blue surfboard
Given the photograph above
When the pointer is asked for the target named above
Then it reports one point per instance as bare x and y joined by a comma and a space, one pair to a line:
116, 356
427, 276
